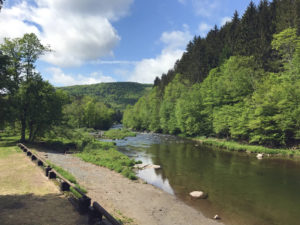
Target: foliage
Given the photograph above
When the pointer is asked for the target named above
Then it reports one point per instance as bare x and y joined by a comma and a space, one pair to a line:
39, 106
27, 98
118, 95
240, 100
87, 112
64, 138
118, 134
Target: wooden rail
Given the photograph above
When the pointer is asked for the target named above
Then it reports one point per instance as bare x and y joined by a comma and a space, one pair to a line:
95, 211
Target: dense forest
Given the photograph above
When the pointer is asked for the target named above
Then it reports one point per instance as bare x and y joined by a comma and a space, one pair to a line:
117, 94
241, 82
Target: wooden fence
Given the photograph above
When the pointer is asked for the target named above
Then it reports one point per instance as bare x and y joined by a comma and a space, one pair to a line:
95, 211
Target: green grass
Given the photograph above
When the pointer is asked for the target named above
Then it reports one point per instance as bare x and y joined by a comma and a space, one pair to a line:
70, 178
8, 146
235, 146
75, 193
118, 134
105, 154
63, 172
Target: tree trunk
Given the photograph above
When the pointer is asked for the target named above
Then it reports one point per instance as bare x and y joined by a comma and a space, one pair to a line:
23, 129
30, 131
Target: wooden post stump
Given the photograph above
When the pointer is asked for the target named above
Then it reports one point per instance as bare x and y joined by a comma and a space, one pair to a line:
64, 186
29, 153
51, 175
40, 163
84, 204
47, 169
33, 157
94, 216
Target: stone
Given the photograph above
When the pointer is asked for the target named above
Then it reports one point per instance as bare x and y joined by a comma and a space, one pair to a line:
217, 217
155, 166
146, 166
198, 194
140, 166
259, 156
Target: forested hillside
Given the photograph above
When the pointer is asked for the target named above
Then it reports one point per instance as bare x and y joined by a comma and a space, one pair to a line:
118, 94
241, 82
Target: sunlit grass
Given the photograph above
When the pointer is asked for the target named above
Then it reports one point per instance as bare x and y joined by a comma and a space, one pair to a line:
105, 154
118, 134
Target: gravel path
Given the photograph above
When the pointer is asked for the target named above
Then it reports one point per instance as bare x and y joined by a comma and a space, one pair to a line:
144, 203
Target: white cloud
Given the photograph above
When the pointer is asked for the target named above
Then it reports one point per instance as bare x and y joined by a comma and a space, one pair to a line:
120, 62
224, 20
182, 1
205, 8
175, 39
12, 22
59, 78
147, 69
204, 28
77, 31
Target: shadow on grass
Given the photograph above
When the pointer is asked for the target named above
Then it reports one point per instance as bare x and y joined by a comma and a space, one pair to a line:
8, 141
31, 209
8, 144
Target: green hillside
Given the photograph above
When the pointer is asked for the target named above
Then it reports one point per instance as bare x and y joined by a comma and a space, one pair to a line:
118, 94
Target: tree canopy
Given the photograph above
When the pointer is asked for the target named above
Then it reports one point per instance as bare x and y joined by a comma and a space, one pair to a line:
241, 82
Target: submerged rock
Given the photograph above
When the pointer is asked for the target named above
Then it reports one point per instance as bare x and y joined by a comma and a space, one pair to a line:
198, 194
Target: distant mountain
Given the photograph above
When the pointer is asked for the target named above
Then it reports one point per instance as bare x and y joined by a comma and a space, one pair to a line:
117, 94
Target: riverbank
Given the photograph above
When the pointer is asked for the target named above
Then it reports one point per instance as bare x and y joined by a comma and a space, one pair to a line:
142, 202
235, 146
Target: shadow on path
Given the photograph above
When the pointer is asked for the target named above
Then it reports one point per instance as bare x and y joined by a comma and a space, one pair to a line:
31, 209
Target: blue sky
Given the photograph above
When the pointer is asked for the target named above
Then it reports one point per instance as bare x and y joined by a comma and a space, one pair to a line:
113, 40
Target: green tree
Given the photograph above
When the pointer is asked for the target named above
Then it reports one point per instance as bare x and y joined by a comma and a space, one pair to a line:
22, 53
40, 106
285, 43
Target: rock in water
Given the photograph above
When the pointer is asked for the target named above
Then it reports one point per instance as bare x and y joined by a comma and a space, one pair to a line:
146, 166
198, 194
217, 217
140, 166
156, 166
259, 156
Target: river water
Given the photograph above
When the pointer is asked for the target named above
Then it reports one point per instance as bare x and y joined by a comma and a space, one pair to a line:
241, 189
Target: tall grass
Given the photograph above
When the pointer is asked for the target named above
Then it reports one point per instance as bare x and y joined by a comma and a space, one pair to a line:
118, 134
234, 146
105, 154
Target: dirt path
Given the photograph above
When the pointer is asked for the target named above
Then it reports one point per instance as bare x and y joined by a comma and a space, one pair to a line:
146, 204
27, 197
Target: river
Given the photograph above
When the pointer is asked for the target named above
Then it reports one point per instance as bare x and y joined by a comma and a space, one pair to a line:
241, 189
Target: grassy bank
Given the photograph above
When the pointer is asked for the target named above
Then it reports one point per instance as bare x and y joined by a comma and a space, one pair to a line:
118, 134
105, 154
235, 146
90, 150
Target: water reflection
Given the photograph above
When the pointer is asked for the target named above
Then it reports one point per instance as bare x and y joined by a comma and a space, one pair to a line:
242, 189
